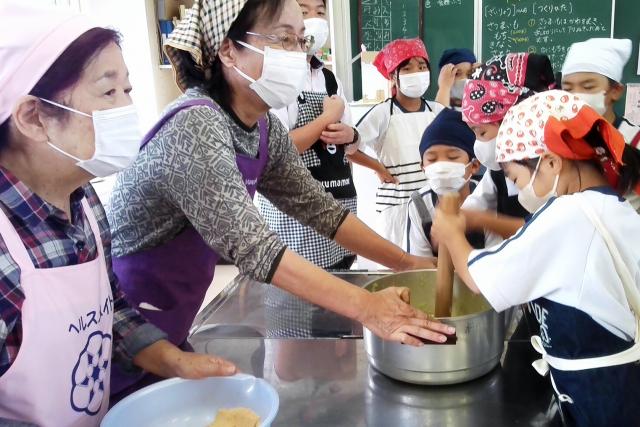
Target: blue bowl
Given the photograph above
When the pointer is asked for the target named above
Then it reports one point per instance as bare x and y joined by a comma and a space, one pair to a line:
194, 403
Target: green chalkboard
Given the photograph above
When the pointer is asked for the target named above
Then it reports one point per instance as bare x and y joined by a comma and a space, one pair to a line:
382, 21
442, 24
536, 26
447, 24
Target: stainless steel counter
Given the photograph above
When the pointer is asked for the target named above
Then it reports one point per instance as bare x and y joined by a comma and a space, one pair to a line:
328, 381
242, 303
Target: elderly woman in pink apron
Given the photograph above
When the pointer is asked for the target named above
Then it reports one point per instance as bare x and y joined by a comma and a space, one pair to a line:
186, 202
66, 117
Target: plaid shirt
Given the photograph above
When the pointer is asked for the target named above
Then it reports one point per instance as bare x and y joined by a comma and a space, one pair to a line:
54, 241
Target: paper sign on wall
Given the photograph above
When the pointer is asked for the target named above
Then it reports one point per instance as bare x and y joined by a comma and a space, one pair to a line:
632, 106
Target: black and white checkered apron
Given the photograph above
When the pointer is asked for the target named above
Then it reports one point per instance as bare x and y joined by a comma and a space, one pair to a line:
289, 316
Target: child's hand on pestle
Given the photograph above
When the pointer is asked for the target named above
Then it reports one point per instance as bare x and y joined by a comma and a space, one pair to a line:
446, 225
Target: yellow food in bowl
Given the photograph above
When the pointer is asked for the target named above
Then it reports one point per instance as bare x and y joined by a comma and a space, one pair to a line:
236, 417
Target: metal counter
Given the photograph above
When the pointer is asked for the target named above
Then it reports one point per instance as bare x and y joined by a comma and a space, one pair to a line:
242, 303
328, 381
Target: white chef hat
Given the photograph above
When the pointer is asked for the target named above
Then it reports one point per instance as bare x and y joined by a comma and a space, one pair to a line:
603, 56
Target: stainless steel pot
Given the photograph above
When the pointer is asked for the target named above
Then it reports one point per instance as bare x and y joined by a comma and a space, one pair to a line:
480, 333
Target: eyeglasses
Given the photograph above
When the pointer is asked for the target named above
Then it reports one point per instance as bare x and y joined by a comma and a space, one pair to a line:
289, 42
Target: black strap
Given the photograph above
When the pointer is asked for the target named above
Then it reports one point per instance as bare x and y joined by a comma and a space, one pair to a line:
330, 82
423, 211
499, 182
507, 205
475, 238
369, 111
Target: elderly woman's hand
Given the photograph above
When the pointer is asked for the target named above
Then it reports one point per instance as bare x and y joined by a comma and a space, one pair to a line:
166, 360
387, 314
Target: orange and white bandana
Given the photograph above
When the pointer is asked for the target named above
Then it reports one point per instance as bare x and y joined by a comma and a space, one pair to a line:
558, 122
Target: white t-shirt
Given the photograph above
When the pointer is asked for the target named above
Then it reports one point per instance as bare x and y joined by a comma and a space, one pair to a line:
416, 242
373, 125
485, 196
559, 255
397, 148
315, 82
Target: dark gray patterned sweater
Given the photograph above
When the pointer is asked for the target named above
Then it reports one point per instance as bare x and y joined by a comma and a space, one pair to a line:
188, 173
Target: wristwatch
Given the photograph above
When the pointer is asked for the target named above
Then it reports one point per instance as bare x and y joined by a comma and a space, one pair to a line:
356, 135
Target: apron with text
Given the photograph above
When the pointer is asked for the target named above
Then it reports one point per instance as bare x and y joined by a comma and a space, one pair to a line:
61, 374
329, 166
168, 283
287, 315
399, 153
595, 374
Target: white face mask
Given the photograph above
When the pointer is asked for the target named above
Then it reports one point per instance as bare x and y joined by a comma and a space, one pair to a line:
595, 101
319, 29
414, 85
457, 90
486, 154
283, 75
117, 139
446, 177
528, 197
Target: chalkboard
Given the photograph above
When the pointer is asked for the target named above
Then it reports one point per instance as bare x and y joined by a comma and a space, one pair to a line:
447, 24
548, 27
544, 26
382, 21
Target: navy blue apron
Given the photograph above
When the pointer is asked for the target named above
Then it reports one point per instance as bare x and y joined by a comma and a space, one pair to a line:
601, 397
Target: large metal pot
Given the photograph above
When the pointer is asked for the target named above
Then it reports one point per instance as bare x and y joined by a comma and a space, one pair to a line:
480, 333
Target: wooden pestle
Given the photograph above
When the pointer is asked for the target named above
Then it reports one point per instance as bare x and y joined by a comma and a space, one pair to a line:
448, 203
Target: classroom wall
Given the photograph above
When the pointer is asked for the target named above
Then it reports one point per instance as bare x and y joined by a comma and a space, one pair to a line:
468, 12
164, 83
627, 14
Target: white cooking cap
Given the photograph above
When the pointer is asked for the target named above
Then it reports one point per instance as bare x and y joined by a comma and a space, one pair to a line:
603, 56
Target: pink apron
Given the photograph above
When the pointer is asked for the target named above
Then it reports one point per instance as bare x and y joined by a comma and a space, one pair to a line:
61, 375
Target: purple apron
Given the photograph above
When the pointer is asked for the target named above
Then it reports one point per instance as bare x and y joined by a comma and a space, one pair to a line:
175, 276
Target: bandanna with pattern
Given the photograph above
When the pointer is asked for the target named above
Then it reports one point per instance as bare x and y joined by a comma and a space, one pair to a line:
201, 33
559, 122
396, 52
502, 82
